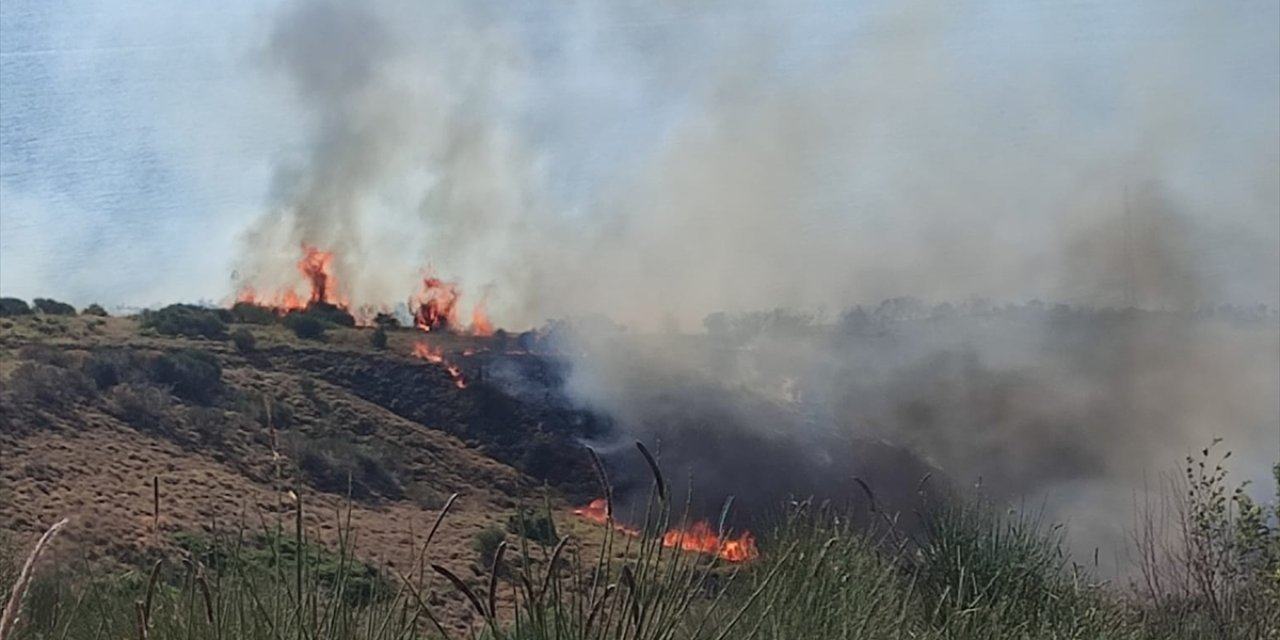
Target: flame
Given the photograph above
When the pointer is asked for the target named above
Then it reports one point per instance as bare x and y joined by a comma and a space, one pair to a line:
317, 267
700, 537
480, 324
436, 356
435, 307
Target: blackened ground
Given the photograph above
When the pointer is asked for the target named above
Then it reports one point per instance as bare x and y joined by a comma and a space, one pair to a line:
512, 408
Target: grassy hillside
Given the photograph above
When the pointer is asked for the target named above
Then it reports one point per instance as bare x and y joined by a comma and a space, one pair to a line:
218, 486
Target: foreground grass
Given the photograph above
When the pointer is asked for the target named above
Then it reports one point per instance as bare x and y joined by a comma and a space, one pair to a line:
973, 572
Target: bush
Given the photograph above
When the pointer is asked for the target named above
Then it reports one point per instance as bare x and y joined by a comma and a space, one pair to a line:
250, 313
210, 424
340, 466
14, 307
244, 340
305, 326
486, 544
95, 309
533, 524
145, 407
386, 321
110, 367
379, 339
186, 320
192, 374
331, 314
53, 307
49, 385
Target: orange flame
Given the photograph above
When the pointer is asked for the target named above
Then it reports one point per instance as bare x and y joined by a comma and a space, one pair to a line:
435, 307
436, 356
317, 267
480, 324
700, 537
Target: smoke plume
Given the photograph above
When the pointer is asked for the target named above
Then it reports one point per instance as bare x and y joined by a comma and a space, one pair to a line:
657, 163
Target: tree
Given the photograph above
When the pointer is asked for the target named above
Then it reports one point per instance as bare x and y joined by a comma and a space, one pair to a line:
14, 307
95, 309
53, 307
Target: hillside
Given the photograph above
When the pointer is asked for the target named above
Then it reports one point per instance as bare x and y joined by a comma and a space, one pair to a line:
100, 415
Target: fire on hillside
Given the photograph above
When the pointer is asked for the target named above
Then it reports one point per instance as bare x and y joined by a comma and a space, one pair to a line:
434, 307
698, 537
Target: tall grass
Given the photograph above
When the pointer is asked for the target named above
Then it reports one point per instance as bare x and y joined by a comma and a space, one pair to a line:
971, 571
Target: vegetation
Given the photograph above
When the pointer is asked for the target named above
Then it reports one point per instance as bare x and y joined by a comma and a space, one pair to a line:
95, 309
378, 339
250, 313
305, 326
53, 307
976, 573
192, 374
487, 542
14, 307
186, 320
244, 340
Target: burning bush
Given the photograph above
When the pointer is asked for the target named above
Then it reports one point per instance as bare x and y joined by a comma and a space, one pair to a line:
185, 320
53, 307
14, 307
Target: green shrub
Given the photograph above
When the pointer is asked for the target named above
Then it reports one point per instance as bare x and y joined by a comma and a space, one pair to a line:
534, 524
486, 544
244, 341
95, 309
305, 326
14, 307
378, 339
53, 307
250, 313
192, 374
185, 320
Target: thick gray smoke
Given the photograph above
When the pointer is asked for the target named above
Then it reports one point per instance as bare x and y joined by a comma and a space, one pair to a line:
659, 162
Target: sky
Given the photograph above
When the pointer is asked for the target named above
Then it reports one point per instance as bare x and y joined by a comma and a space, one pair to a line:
141, 142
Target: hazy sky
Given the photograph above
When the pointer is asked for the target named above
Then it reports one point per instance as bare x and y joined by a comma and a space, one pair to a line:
139, 140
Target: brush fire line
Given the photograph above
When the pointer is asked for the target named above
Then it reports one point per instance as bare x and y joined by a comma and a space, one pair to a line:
699, 537
434, 307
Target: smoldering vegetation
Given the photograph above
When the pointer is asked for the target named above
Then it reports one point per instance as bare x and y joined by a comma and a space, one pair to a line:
711, 157
1073, 411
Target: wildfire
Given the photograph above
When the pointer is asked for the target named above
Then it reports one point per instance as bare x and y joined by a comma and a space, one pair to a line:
436, 356
480, 325
435, 307
317, 267
700, 537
